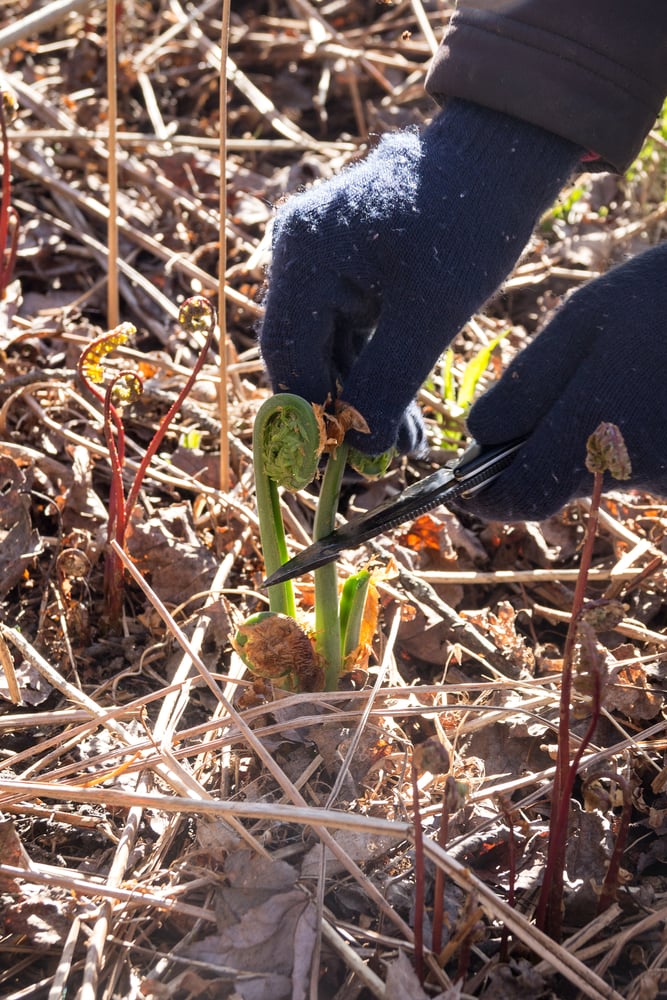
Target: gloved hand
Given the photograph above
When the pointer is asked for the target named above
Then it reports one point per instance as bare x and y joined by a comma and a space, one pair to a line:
603, 357
375, 271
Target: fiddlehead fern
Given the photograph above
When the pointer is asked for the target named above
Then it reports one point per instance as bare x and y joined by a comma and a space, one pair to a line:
288, 440
196, 315
287, 443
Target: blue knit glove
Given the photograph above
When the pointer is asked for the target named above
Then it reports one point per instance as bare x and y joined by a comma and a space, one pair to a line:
602, 358
376, 270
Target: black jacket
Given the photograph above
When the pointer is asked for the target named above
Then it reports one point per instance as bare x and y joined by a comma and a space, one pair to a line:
592, 71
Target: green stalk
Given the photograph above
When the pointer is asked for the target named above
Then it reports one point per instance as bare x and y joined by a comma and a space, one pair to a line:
327, 628
272, 535
286, 448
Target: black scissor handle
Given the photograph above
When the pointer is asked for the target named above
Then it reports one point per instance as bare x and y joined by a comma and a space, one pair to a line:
472, 472
478, 466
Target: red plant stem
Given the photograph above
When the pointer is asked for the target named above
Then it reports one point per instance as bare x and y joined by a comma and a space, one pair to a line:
120, 508
163, 426
439, 886
418, 924
549, 915
113, 569
116, 448
8, 215
610, 884
554, 904
511, 887
6, 181
9, 255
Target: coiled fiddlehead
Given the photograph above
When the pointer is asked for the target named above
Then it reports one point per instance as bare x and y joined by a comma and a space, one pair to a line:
287, 444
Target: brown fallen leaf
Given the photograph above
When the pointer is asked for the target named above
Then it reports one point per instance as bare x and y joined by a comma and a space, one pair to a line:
168, 547
500, 626
267, 945
361, 847
627, 690
20, 544
84, 515
35, 914
33, 689
41, 920
12, 853
514, 981
402, 983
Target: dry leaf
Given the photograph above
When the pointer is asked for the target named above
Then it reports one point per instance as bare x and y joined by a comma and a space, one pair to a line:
425, 534
11, 684
33, 688
515, 981
402, 983
269, 942
627, 691
82, 509
501, 629
168, 547
19, 543
361, 847
41, 920
12, 853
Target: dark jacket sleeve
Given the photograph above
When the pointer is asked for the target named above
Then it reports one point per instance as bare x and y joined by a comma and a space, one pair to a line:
592, 71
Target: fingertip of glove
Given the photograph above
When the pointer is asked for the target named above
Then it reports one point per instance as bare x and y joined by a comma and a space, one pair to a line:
408, 437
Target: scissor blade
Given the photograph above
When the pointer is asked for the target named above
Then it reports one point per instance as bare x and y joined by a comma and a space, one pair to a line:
463, 479
412, 502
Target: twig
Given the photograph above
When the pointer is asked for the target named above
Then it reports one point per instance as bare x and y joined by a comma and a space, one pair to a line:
222, 259
113, 313
338, 784
117, 873
355, 962
144, 240
628, 628
59, 986
238, 78
525, 576
176, 776
42, 19
420, 874
425, 25
234, 145
79, 886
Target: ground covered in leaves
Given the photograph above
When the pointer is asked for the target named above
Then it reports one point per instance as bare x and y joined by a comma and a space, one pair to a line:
171, 828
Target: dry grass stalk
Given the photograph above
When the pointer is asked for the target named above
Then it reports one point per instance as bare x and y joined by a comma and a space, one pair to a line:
113, 303
222, 266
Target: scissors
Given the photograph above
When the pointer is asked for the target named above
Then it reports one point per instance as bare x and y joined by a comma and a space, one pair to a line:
474, 470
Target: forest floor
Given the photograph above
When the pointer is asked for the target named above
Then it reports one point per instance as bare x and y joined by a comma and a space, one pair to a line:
172, 828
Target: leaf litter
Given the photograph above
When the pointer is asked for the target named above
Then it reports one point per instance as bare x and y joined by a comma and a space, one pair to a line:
168, 823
